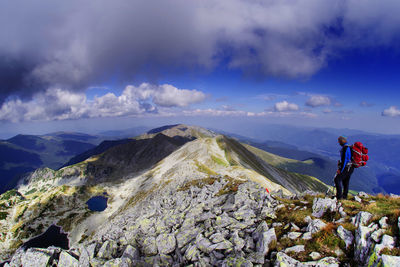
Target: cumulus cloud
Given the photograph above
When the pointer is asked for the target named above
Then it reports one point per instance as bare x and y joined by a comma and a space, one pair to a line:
285, 106
392, 111
75, 44
318, 100
58, 104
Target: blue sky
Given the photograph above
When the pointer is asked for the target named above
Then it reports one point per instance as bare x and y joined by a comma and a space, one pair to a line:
99, 65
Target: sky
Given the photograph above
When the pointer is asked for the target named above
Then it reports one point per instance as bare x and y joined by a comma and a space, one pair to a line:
100, 65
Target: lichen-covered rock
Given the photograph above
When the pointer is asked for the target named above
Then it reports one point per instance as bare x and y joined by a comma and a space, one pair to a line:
203, 244
265, 241
321, 205
383, 222
184, 236
35, 257
345, 235
149, 246
166, 243
283, 260
192, 253
118, 262
67, 260
237, 262
363, 243
107, 250
362, 218
131, 253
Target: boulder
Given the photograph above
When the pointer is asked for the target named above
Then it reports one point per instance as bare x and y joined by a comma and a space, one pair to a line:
345, 235
389, 261
265, 241
321, 205
294, 235
34, 257
362, 218
184, 236
67, 260
315, 226
315, 255
107, 250
363, 243
131, 253
383, 222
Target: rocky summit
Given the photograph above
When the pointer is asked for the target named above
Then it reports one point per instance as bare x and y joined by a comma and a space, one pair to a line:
206, 201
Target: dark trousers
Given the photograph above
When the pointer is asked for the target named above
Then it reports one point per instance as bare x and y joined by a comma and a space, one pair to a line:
343, 179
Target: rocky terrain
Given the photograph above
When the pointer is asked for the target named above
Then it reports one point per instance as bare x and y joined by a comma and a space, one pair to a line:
184, 196
221, 221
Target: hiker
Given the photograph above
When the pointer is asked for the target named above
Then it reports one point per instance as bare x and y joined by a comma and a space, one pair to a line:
345, 169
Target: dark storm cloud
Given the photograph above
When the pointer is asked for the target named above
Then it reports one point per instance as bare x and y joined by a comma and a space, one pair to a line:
74, 44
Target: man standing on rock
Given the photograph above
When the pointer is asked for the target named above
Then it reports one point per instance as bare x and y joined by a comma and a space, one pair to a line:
345, 169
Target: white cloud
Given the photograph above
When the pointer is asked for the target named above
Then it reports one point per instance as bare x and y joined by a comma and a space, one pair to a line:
285, 106
58, 104
392, 111
318, 100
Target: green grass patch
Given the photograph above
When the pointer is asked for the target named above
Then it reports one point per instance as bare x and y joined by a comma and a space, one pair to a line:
219, 161
231, 186
204, 169
33, 190
197, 183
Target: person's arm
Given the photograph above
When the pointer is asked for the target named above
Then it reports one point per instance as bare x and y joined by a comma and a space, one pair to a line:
346, 158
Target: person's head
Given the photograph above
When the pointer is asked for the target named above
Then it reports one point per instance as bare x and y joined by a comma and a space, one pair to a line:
342, 140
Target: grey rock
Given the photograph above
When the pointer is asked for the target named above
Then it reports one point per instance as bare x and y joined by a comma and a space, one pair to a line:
389, 261
315, 255
307, 236
321, 205
256, 257
345, 235
203, 244
224, 245
166, 243
244, 213
35, 257
192, 253
236, 261
283, 259
186, 235
97, 262
67, 259
294, 235
386, 242
295, 249
363, 243
377, 234
315, 226
107, 250
383, 222
118, 262
267, 212
362, 218
356, 198
217, 237
131, 253
363, 194
149, 246
238, 242
265, 240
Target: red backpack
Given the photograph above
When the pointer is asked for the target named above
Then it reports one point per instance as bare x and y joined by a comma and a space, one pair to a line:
359, 154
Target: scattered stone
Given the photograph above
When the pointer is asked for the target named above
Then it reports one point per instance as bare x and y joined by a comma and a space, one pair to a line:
363, 194
315, 226
36, 257
186, 235
377, 234
345, 235
358, 199
315, 255
321, 205
294, 235
383, 222
295, 249
307, 236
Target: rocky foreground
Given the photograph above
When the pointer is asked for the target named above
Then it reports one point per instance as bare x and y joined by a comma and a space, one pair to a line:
225, 222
